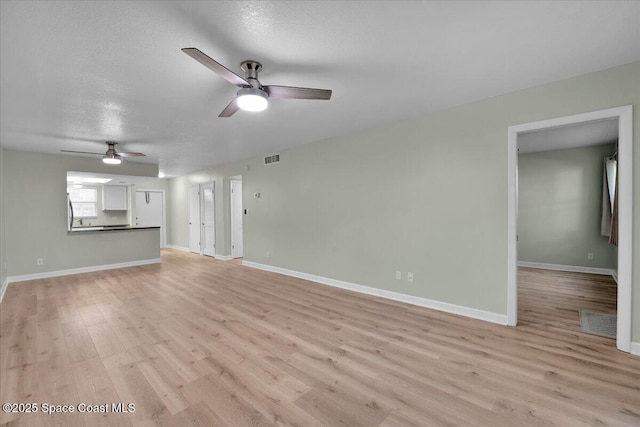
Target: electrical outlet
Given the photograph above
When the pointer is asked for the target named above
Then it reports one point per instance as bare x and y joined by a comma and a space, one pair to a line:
268, 254
410, 277
590, 255
398, 275
39, 261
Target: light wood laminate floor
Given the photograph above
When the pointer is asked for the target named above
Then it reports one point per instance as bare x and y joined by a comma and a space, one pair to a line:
201, 342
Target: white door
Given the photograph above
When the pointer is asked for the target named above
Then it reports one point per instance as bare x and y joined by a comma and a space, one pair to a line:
150, 211
237, 215
208, 220
194, 219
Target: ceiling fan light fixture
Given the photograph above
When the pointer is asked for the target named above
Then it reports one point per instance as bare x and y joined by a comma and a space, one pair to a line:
252, 99
111, 160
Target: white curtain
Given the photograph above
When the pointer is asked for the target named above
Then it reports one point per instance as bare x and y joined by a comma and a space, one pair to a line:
608, 224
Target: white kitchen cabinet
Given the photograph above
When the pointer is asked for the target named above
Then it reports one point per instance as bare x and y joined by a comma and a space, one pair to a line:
114, 198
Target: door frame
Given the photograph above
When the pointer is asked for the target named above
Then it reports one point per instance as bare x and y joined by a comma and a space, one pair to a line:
163, 241
624, 114
201, 201
199, 223
231, 210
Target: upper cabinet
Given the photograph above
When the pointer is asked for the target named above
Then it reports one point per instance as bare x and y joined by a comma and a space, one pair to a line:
114, 198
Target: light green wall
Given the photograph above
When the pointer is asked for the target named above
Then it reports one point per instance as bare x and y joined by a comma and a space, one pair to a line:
560, 207
178, 217
36, 215
426, 195
153, 184
3, 251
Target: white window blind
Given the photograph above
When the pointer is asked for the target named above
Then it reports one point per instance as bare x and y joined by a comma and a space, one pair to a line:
84, 202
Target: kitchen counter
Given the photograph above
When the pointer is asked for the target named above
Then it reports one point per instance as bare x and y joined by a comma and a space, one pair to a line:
100, 225
88, 228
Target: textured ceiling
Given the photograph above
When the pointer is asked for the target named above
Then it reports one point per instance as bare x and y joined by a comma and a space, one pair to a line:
75, 74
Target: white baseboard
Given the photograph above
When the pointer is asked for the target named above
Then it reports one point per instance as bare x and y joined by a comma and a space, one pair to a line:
500, 319
178, 248
3, 288
80, 270
183, 249
635, 348
571, 268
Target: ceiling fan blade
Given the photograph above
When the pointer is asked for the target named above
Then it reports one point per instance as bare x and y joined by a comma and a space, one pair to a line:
230, 109
81, 152
290, 92
121, 154
215, 66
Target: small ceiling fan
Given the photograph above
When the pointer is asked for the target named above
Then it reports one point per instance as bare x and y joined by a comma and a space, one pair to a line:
253, 96
111, 156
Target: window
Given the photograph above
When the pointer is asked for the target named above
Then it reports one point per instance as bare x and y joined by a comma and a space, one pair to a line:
84, 202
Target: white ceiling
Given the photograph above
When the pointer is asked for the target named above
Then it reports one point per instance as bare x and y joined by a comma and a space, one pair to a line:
115, 179
564, 137
75, 74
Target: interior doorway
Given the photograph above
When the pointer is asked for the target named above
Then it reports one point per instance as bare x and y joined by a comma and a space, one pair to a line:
150, 211
624, 116
566, 258
194, 220
237, 215
207, 201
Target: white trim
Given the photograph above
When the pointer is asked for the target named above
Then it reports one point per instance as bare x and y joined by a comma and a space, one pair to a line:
80, 270
635, 348
624, 115
178, 248
224, 257
625, 227
487, 316
571, 268
3, 288
512, 227
234, 183
203, 241
199, 222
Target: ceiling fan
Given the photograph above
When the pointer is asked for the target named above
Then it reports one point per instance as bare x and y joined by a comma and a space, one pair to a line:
111, 156
253, 96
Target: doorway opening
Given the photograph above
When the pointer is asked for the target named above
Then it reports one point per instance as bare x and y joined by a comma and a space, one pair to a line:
150, 211
194, 220
208, 232
623, 115
202, 220
237, 216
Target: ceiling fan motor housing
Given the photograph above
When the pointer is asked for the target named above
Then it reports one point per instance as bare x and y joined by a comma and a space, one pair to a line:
251, 69
252, 98
111, 147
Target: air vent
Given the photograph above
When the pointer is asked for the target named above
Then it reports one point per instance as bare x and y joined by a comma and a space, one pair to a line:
275, 158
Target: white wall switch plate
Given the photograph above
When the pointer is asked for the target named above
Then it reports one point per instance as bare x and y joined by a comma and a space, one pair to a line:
410, 277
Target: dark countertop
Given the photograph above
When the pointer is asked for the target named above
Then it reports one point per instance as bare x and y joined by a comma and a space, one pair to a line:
88, 228
100, 225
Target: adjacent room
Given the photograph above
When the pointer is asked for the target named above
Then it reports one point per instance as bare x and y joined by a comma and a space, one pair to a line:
567, 234
353, 213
